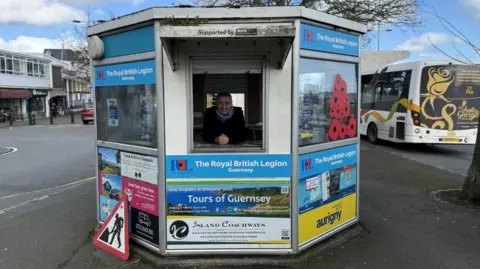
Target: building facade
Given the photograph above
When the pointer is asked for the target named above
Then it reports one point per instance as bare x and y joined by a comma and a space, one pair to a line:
25, 85
75, 79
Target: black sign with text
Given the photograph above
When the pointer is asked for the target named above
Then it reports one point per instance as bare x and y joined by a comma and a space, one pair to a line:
144, 225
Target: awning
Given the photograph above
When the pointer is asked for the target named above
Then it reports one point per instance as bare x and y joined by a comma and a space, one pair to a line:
55, 93
15, 94
284, 33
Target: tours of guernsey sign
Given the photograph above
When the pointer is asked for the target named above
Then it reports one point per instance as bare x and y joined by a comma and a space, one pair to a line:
228, 166
228, 201
321, 39
134, 73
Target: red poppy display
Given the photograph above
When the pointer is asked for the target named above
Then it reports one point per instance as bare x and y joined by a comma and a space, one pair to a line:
333, 131
352, 127
343, 124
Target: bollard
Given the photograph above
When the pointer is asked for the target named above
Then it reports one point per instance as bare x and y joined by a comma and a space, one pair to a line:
72, 119
11, 118
30, 121
34, 119
51, 117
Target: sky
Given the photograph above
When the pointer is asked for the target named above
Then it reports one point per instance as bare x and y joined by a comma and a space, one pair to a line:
33, 25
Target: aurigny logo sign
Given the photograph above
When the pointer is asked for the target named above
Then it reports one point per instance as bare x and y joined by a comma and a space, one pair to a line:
329, 218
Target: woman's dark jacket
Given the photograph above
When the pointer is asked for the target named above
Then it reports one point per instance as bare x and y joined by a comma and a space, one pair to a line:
234, 127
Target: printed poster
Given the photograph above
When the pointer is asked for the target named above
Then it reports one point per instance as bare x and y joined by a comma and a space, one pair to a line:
112, 112
144, 225
228, 214
109, 181
229, 198
139, 167
327, 191
140, 195
111, 186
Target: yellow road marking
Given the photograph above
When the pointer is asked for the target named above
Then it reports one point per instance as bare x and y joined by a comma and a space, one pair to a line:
46, 189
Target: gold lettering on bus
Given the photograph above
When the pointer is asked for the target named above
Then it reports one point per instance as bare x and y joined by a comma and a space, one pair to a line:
467, 114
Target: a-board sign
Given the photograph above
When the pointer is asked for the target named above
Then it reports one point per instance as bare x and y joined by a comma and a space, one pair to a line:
113, 235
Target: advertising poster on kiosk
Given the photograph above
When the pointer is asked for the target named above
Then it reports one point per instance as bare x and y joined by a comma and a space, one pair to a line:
109, 180
216, 201
112, 105
327, 194
124, 174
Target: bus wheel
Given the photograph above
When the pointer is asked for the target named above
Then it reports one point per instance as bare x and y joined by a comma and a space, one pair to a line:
372, 133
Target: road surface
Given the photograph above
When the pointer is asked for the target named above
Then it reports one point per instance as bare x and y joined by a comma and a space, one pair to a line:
453, 158
47, 194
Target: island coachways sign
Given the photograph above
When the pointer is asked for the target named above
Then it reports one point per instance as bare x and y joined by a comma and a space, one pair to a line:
113, 235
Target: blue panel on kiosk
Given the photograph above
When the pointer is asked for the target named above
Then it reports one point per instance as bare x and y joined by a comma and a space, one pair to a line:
135, 73
321, 39
318, 162
228, 166
131, 42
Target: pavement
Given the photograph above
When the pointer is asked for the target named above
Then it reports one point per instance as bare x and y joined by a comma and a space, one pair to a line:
48, 210
61, 119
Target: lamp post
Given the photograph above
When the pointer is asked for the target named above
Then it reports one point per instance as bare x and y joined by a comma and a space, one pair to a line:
89, 21
378, 35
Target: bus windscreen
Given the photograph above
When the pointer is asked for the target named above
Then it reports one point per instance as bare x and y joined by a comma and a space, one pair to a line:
450, 97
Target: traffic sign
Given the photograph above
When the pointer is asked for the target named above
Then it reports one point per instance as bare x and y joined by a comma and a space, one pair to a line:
113, 235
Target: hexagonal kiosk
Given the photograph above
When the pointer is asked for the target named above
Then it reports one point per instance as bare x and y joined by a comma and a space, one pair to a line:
230, 130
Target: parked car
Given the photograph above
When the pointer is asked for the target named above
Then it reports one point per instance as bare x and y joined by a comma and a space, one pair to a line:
87, 113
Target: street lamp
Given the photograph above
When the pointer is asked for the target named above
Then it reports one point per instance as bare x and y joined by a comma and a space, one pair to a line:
378, 35
88, 22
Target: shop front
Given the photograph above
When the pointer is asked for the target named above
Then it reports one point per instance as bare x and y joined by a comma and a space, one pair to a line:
286, 178
13, 101
38, 103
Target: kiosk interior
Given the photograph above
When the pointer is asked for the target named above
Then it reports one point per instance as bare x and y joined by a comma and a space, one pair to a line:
233, 132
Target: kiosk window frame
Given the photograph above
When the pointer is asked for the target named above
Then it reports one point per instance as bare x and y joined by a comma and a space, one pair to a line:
332, 58
264, 59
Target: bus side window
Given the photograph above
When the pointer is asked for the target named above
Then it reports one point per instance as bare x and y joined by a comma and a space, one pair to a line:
367, 93
402, 83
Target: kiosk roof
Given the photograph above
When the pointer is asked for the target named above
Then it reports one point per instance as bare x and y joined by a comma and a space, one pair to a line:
227, 14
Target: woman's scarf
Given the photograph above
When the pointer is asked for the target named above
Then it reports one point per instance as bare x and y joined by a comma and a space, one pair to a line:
223, 117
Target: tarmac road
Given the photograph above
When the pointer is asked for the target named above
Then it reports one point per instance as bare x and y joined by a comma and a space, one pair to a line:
452, 158
47, 194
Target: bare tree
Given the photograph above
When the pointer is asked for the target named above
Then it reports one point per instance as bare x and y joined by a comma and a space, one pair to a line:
77, 41
393, 12
471, 185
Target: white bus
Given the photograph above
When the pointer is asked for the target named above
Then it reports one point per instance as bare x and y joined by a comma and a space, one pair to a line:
428, 102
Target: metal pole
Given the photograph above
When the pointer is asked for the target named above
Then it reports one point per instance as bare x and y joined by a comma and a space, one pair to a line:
11, 117
51, 113
378, 36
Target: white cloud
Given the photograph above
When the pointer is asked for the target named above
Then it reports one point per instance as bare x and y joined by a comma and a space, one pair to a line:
422, 43
473, 6
38, 12
38, 44
29, 44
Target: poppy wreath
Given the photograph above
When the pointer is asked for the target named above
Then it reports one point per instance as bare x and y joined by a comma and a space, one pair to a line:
343, 124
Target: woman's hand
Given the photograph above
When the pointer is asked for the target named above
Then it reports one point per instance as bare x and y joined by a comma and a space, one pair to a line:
222, 139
